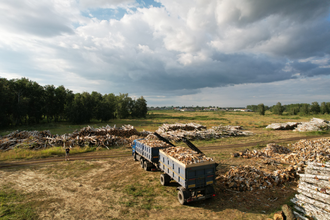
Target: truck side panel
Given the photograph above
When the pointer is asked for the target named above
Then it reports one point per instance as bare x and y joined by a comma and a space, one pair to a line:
149, 153
196, 176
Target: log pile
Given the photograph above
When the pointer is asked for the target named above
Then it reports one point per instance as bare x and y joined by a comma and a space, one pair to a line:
247, 178
104, 137
309, 150
315, 124
272, 150
186, 156
314, 189
303, 151
179, 126
283, 126
155, 143
192, 131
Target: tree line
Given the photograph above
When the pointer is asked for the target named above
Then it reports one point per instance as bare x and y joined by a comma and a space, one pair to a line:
293, 109
23, 101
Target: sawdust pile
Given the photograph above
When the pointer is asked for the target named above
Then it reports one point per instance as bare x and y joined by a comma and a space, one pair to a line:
186, 156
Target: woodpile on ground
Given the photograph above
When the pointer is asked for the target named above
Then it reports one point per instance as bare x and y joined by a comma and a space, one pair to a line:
315, 124
303, 151
248, 178
88, 136
186, 156
179, 126
283, 126
193, 131
313, 199
272, 150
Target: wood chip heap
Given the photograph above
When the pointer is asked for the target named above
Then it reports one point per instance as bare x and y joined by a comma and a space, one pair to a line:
186, 156
246, 178
104, 137
314, 189
154, 143
193, 131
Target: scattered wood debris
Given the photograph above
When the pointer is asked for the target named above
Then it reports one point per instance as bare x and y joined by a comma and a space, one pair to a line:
314, 189
186, 156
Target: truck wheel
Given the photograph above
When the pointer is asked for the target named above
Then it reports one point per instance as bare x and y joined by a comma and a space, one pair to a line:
134, 157
141, 163
183, 195
146, 167
164, 179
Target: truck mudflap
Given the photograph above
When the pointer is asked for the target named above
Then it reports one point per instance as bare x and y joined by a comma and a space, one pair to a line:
185, 195
193, 199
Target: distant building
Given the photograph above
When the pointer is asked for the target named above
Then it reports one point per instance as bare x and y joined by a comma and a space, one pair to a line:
187, 110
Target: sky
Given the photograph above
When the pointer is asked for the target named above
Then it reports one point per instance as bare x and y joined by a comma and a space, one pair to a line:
173, 53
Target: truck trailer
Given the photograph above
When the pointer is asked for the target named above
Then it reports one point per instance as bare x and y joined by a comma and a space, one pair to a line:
196, 180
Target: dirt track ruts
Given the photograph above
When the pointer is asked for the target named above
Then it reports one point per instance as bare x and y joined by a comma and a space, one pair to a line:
82, 157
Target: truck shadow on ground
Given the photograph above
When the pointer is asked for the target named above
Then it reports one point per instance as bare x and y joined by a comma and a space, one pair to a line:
265, 201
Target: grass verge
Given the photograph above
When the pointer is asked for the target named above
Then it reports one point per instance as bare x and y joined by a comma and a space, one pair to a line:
13, 205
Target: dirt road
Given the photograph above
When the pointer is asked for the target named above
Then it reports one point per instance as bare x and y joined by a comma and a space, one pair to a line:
90, 156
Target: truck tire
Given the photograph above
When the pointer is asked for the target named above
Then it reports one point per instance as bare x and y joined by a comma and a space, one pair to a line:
146, 165
141, 163
183, 195
165, 179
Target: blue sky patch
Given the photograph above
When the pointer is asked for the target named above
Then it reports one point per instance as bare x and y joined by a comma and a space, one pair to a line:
117, 13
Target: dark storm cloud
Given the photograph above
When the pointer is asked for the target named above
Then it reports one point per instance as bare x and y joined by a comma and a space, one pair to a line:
181, 48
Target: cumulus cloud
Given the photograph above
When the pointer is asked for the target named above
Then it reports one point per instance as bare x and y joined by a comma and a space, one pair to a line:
177, 49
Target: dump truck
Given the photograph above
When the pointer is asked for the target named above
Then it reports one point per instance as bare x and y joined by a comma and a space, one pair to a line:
196, 180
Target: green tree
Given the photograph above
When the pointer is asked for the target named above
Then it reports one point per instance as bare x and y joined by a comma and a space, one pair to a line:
278, 109
6, 102
261, 109
36, 102
50, 102
124, 106
60, 101
80, 108
304, 109
140, 109
315, 108
324, 108
20, 88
